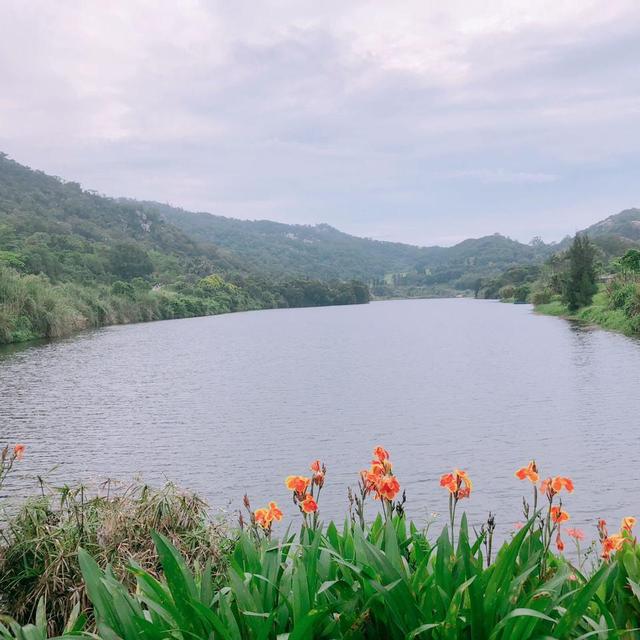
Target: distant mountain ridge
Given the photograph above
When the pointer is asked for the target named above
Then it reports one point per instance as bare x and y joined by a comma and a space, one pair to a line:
324, 252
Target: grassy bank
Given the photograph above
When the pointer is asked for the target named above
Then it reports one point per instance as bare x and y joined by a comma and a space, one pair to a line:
32, 307
599, 313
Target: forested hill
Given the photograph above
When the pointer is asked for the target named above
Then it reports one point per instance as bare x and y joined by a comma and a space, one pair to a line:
321, 251
56, 228
72, 259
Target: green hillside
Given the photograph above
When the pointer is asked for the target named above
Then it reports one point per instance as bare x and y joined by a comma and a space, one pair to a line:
71, 259
321, 251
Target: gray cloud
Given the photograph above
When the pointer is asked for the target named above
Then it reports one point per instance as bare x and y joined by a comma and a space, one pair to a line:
423, 123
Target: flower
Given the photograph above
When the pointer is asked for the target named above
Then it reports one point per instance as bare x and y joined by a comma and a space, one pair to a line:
262, 518
18, 451
318, 472
611, 543
577, 534
298, 484
530, 472
308, 504
274, 511
458, 483
554, 485
559, 542
558, 515
628, 523
381, 453
388, 487
518, 525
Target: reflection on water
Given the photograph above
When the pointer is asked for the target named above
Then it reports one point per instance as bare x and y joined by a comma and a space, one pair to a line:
234, 403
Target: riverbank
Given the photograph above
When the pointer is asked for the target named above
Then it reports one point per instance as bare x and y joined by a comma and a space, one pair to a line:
598, 313
32, 307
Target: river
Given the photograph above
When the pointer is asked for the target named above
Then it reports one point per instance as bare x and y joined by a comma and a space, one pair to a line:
234, 403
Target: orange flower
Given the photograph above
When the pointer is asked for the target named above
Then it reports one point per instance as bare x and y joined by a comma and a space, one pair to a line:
554, 485
530, 472
388, 487
381, 453
298, 484
628, 523
262, 518
458, 483
558, 515
559, 542
308, 504
318, 472
274, 512
18, 451
578, 534
611, 543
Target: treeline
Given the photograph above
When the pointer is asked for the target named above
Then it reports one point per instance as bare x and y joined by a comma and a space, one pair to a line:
31, 306
582, 281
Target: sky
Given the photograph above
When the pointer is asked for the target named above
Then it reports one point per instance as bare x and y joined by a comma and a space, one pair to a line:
422, 121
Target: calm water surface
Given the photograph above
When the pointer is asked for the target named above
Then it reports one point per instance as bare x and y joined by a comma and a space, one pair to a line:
234, 403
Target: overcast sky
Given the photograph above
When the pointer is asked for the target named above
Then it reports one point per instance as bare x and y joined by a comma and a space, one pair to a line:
418, 121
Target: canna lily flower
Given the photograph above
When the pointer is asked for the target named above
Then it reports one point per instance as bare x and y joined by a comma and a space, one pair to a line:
577, 534
554, 485
274, 512
298, 484
262, 518
319, 471
381, 454
628, 523
388, 487
18, 451
530, 472
308, 504
558, 515
611, 543
559, 542
458, 483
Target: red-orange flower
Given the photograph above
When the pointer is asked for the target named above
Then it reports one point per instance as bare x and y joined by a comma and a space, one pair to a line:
318, 473
388, 487
381, 453
458, 483
611, 543
558, 515
559, 542
554, 485
262, 518
308, 505
18, 451
628, 523
274, 511
298, 484
530, 472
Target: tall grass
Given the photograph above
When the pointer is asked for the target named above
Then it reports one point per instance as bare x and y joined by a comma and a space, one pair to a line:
39, 554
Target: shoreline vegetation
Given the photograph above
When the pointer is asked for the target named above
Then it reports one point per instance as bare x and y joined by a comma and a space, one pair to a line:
144, 564
32, 307
581, 284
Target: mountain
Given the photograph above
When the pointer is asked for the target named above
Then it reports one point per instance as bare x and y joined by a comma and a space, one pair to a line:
320, 251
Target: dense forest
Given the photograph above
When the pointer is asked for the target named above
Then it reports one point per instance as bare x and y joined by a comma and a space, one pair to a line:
320, 251
71, 259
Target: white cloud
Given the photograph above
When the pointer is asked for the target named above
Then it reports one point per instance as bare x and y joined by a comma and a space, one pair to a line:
364, 115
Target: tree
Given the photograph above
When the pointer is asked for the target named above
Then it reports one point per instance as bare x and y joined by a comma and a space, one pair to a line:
630, 261
580, 283
129, 261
